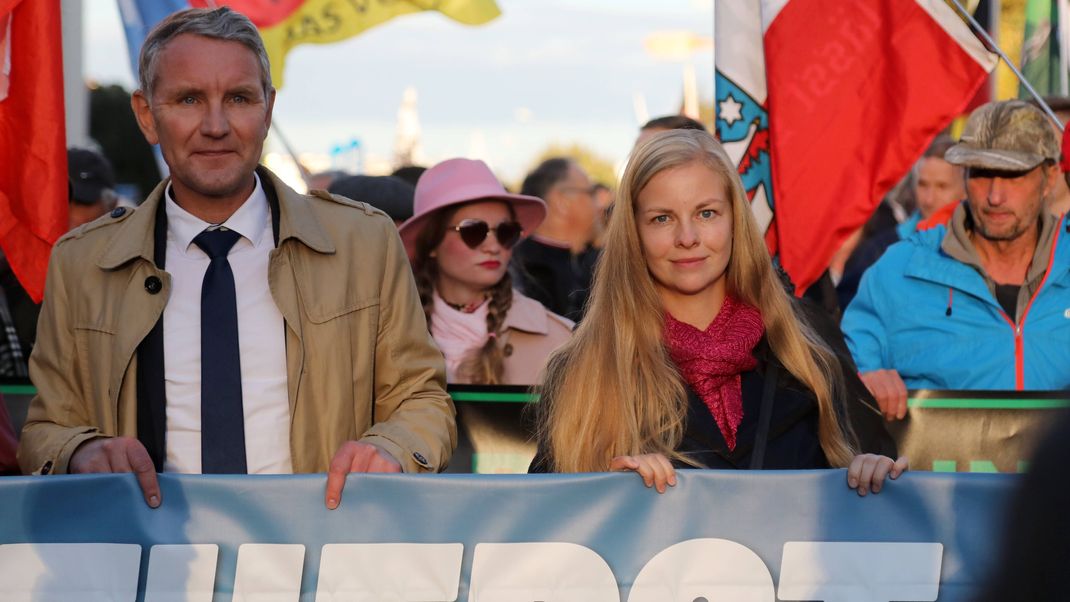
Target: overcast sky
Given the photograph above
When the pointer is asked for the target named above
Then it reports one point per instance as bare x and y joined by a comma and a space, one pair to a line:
546, 71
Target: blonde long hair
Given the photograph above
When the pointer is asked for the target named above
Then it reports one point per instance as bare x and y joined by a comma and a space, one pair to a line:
612, 389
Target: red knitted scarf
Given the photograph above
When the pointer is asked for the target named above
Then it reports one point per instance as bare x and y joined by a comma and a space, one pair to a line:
712, 360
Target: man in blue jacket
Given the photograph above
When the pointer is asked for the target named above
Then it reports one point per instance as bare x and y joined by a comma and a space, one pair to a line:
983, 302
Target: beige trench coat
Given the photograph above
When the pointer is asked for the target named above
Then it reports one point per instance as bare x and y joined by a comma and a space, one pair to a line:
360, 362
530, 333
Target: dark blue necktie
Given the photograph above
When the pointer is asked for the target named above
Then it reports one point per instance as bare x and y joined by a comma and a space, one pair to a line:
222, 422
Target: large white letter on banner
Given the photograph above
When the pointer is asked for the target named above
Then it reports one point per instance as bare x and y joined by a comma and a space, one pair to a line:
714, 569
269, 572
181, 573
860, 571
405, 572
547, 572
93, 572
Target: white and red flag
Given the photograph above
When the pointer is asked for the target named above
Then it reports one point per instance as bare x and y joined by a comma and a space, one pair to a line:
825, 105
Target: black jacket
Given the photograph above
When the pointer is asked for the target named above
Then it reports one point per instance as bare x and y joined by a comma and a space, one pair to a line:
554, 276
792, 441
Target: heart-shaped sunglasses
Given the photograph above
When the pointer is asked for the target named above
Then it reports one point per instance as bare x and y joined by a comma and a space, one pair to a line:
474, 231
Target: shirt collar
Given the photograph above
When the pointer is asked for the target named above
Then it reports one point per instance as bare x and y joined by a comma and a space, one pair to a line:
297, 220
248, 221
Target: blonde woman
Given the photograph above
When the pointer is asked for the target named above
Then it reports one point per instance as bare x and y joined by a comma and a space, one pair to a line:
692, 354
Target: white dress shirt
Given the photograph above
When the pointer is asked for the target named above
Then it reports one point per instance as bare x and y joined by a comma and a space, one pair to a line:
261, 339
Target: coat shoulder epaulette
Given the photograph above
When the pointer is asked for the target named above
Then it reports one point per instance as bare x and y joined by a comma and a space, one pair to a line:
114, 217
341, 200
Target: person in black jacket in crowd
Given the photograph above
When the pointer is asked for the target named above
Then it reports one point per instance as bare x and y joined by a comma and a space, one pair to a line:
554, 265
692, 354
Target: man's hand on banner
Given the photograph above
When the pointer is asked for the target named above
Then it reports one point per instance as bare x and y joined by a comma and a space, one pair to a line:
655, 469
118, 454
868, 471
888, 389
354, 456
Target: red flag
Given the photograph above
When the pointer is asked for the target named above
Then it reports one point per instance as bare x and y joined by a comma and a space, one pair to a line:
33, 158
263, 13
857, 90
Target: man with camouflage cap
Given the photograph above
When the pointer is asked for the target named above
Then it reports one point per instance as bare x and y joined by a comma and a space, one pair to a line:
983, 302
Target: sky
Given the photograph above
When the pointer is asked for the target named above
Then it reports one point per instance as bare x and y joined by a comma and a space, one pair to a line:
545, 72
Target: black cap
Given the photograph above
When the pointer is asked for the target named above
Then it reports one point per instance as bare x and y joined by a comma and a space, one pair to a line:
90, 173
388, 193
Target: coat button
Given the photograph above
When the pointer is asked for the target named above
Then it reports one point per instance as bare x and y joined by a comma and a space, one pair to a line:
118, 212
47, 468
153, 285
420, 459
507, 350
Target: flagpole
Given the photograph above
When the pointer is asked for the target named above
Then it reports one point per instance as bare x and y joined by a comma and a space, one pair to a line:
1063, 20
1021, 78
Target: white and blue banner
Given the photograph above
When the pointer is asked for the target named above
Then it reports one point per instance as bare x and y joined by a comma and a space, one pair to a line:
740, 536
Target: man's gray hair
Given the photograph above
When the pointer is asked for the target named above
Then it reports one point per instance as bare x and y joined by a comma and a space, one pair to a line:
219, 24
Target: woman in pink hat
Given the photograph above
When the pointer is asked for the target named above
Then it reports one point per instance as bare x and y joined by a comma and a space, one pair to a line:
460, 240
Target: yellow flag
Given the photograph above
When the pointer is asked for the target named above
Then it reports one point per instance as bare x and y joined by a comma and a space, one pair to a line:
327, 21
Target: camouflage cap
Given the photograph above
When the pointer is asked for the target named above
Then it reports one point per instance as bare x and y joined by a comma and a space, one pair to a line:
1011, 135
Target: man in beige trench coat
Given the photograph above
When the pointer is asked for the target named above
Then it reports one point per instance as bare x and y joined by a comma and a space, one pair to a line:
316, 355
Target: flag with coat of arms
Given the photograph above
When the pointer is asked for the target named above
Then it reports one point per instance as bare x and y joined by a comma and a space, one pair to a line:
825, 104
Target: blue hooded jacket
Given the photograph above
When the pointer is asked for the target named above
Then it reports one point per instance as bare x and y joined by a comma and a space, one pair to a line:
933, 319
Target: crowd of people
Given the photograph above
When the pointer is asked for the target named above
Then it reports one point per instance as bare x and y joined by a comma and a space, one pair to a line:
229, 324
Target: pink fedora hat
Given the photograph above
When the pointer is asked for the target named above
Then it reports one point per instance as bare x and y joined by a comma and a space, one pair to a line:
456, 181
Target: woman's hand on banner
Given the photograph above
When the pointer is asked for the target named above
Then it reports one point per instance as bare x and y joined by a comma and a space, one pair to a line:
655, 469
868, 471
